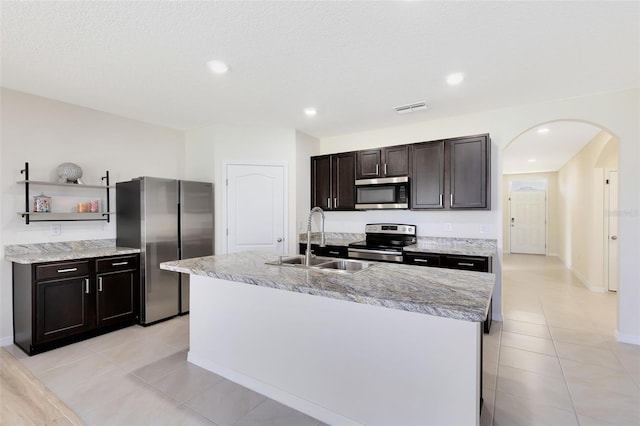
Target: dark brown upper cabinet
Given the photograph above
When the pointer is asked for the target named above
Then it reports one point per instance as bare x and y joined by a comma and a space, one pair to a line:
427, 178
383, 162
333, 181
469, 178
452, 174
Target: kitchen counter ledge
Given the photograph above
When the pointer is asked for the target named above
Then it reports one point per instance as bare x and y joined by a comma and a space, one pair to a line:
462, 295
69, 250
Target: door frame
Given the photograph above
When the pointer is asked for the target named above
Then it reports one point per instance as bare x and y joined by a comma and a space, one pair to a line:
224, 194
607, 214
546, 212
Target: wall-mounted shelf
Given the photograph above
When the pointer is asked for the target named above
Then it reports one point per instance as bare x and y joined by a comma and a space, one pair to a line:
60, 216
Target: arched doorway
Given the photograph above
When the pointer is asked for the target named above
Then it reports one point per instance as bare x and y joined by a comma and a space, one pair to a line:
571, 166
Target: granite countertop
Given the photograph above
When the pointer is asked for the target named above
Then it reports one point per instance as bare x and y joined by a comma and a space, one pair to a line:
462, 295
68, 250
441, 245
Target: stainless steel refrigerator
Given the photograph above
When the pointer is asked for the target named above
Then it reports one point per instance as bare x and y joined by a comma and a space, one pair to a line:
167, 220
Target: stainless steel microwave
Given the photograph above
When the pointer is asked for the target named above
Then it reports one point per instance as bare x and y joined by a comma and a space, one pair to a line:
382, 193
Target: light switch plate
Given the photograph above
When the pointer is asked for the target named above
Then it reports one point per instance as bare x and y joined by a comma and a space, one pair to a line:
447, 227
54, 229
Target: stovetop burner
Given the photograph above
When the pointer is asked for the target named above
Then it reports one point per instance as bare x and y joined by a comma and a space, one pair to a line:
384, 241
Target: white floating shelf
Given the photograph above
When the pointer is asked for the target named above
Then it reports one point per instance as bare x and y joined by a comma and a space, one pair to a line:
65, 185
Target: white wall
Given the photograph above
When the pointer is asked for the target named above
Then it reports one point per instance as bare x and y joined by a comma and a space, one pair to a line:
616, 112
552, 209
46, 133
581, 183
209, 149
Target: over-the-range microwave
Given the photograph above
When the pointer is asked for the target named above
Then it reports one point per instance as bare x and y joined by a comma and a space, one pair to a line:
382, 193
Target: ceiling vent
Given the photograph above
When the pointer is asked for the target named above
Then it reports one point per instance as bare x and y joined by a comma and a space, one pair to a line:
405, 109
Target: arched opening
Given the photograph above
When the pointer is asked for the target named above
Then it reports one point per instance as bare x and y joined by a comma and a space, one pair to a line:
559, 200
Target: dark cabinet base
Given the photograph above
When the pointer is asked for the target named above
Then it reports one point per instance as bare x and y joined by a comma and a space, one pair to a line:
58, 303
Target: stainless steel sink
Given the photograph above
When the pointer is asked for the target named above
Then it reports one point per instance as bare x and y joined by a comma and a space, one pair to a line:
345, 265
323, 264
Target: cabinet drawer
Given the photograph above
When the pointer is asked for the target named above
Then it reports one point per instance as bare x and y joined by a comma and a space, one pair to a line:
62, 270
112, 264
468, 263
422, 259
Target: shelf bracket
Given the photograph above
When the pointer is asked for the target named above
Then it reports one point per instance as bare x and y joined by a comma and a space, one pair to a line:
25, 172
106, 178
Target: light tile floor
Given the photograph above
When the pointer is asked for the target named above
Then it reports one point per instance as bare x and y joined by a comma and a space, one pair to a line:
553, 361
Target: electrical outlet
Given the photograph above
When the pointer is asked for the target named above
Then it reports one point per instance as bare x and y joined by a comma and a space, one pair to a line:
447, 227
484, 229
54, 229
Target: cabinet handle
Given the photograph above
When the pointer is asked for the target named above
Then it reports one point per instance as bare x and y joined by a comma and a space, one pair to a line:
99, 283
465, 264
441, 200
67, 270
377, 169
329, 202
421, 260
86, 285
334, 252
451, 202
119, 263
385, 168
335, 203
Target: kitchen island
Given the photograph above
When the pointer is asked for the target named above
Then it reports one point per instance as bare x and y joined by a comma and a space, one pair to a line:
392, 344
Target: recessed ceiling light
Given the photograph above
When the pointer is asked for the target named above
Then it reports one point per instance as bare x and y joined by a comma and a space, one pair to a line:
218, 67
310, 112
531, 160
543, 130
455, 78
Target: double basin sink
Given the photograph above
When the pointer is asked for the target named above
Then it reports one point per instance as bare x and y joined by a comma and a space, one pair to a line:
323, 264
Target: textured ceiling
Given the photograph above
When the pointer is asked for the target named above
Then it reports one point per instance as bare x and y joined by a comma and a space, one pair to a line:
354, 61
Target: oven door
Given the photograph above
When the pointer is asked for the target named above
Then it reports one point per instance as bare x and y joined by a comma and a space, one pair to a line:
385, 255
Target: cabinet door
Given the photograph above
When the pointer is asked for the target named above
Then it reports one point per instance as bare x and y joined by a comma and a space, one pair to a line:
427, 175
321, 182
368, 164
396, 161
116, 298
469, 263
63, 308
469, 172
344, 183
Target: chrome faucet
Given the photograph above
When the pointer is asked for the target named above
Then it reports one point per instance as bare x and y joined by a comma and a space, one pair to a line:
307, 254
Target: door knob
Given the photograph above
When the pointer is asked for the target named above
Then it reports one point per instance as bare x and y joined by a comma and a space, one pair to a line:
614, 237
279, 240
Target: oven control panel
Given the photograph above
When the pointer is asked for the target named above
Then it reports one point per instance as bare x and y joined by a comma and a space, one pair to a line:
390, 228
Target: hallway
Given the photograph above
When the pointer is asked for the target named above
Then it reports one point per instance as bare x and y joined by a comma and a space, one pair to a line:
554, 360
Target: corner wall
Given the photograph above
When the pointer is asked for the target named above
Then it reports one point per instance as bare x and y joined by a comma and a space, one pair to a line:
45, 133
581, 183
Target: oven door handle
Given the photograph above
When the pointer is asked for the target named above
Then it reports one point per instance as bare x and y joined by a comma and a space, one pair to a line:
391, 253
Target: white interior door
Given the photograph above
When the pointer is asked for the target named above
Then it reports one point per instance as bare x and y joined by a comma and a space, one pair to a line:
528, 222
612, 239
256, 206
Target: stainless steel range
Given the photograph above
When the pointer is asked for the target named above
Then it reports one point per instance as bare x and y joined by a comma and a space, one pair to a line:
384, 241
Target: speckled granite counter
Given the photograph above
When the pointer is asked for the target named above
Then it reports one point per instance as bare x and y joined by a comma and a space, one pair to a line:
462, 246
67, 250
332, 238
445, 293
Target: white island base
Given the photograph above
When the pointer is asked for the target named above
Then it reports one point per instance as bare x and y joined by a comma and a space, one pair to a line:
341, 362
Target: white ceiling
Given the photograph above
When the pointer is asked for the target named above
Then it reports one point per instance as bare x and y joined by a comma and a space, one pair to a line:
354, 61
551, 150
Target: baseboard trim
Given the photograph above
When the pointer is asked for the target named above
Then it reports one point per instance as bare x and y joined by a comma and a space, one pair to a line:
633, 339
552, 254
6, 341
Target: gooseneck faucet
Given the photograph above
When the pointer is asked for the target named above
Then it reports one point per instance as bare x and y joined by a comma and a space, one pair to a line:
307, 254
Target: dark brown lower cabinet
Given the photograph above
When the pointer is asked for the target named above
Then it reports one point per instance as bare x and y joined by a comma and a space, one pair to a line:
58, 303
327, 251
